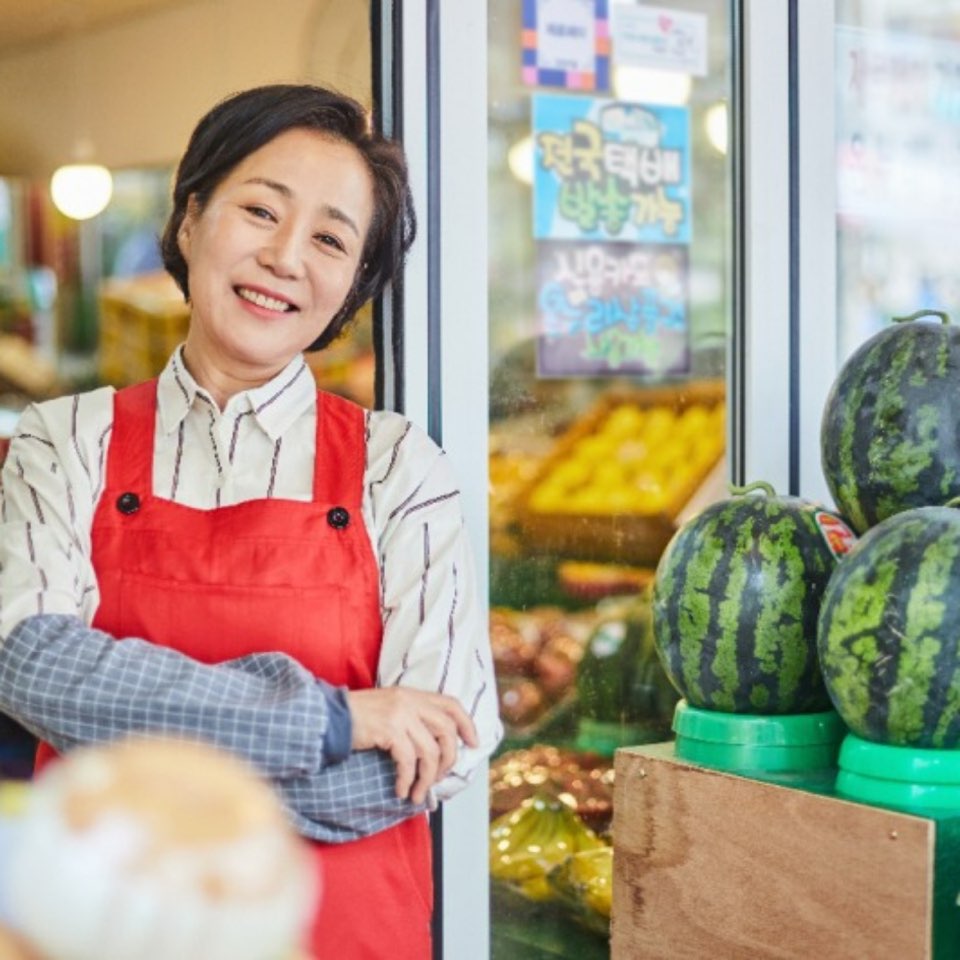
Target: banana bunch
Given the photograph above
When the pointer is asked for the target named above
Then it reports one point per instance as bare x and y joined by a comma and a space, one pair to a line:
584, 881
527, 843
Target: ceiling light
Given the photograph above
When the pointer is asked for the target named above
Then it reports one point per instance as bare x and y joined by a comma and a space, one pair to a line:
520, 159
715, 122
81, 190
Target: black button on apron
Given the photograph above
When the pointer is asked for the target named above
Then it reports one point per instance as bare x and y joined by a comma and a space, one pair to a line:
338, 517
128, 503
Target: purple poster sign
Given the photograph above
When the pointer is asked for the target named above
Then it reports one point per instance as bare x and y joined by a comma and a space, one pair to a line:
608, 309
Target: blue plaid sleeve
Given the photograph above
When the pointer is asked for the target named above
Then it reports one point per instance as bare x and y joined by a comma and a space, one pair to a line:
70, 684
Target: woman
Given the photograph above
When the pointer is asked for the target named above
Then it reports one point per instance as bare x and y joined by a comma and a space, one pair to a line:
224, 553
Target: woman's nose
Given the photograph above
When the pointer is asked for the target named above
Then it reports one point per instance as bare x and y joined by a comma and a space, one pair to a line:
283, 252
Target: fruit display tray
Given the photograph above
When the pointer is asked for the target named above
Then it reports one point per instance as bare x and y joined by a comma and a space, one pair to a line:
615, 485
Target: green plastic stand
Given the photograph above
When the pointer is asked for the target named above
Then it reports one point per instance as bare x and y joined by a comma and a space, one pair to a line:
596, 736
925, 782
784, 748
913, 779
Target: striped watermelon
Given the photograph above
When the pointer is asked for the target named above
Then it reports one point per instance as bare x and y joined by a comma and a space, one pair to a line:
889, 631
890, 435
735, 603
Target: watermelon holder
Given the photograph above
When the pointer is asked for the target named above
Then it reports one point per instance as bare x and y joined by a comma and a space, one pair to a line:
801, 744
915, 779
597, 736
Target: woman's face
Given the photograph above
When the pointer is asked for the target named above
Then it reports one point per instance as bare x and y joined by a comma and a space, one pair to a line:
273, 254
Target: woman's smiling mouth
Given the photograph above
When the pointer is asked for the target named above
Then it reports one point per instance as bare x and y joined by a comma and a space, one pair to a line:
264, 300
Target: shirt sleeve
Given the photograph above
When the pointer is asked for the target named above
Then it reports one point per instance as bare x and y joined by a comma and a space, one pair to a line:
435, 635
70, 684
349, 800
51, 480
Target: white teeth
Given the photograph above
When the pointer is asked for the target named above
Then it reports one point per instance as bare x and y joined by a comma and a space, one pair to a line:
262, 300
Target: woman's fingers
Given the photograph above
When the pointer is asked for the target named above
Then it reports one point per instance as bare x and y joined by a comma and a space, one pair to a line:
421, 731
428, 765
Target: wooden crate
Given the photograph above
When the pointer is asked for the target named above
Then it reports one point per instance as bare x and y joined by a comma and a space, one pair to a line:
141, 322
712, 865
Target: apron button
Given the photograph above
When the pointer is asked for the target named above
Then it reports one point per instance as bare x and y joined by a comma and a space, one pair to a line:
128, 503
338, 517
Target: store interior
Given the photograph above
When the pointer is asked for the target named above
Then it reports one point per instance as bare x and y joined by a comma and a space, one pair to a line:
601, 444
118, 84
592, 469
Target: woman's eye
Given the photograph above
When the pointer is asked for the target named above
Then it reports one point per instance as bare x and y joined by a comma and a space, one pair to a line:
329, 240
261, 213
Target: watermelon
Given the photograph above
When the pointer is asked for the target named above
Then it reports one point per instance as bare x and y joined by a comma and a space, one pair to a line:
890, 433
889, 631
735, 602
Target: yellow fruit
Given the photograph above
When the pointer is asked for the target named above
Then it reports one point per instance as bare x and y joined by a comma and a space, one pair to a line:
609, 474
624, 420
632, 451
695, 421
595, 448
570, 473
528, 842
585, 881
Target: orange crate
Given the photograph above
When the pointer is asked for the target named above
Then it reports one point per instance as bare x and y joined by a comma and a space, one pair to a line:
614, 485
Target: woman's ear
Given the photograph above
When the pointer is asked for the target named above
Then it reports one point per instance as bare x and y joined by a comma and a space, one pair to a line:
185, 233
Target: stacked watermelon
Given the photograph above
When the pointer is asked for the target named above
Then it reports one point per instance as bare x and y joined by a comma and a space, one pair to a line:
735, 603
889, 625
890, 436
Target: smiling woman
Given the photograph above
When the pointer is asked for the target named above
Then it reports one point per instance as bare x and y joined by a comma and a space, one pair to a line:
287, 574
272, 257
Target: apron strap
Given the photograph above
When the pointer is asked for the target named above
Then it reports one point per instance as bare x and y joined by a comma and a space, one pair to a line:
130, 454
341, 451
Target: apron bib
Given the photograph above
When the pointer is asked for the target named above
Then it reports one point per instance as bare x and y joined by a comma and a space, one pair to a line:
284, 575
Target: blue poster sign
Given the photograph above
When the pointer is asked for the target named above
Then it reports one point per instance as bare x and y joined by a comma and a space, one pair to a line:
609, 170
610, 309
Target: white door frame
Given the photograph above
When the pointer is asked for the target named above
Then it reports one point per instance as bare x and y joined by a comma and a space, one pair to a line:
444, 352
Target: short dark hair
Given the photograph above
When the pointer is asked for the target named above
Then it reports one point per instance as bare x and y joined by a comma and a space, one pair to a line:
246, 121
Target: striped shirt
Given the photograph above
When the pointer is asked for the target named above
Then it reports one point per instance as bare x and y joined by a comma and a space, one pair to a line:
72, 684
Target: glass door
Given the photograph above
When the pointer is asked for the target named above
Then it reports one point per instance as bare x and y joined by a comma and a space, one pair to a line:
884, 122
610, 298
897, 143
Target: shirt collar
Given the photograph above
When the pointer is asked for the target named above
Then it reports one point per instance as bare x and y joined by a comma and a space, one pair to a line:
274, 404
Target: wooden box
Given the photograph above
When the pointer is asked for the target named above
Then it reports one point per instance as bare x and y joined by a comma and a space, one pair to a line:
712, 865
142, 320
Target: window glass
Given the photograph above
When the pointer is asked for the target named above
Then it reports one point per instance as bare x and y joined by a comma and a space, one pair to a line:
610, 318
898, 136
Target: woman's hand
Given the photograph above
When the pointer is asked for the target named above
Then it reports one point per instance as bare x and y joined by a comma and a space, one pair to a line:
421, 731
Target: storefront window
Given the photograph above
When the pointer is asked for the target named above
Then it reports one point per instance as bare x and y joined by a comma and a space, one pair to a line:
610, 318
898, 137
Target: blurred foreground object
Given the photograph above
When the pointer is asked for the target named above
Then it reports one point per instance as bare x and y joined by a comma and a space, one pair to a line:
154, 850
12, 947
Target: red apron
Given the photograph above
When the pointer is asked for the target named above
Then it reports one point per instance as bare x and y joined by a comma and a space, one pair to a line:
269, 575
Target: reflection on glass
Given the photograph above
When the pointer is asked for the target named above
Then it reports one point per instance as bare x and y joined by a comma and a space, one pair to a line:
609, 296
898, 137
